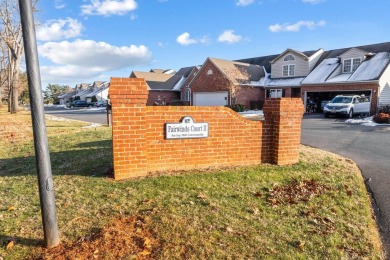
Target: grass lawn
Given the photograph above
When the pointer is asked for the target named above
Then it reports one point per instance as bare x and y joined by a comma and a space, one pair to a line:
316, 209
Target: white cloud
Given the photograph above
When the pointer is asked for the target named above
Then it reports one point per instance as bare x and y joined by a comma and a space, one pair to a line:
185, 39
313, 1
59, 29
295, 27
162, 45
109, 7
204, 39
244, 2
59, 4
229, 37
82, 59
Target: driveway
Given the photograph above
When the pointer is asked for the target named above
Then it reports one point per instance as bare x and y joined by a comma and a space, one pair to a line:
368, 146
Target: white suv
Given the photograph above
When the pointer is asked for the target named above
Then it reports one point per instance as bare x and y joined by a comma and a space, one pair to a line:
347, 106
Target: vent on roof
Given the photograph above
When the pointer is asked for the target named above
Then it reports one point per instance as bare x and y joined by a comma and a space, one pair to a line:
210, 72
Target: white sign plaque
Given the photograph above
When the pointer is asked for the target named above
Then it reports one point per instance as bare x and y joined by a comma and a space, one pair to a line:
186, 129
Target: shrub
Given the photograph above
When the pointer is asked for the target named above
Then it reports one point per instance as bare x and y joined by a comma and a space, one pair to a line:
176, 103
385, 109
256, 104
381, 118
237, 107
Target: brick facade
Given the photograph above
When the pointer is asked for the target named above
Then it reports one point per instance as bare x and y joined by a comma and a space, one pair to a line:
217, 82
140, 147
188, 81
157, 97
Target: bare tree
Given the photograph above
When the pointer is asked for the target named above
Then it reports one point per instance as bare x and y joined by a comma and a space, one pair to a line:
11, 37
3, 72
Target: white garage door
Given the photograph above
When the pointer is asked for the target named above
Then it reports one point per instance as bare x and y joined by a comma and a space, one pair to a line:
210, 99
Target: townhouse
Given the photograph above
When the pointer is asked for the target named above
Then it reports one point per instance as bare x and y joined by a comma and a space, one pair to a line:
316, 75
164, 85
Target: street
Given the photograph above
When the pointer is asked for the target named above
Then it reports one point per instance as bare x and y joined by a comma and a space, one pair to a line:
368, 146
92, 115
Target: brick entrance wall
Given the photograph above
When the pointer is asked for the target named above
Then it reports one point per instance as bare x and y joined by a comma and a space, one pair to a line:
140, 147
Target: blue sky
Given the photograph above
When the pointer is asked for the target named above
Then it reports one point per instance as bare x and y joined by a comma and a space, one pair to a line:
90, 40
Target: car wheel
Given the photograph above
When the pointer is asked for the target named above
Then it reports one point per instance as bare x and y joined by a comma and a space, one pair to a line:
326, 115
350, 114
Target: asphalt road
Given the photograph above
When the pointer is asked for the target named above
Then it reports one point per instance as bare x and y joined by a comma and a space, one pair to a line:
92, 115
368, 146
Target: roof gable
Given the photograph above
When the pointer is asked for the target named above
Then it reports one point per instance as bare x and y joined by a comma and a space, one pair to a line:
239, 72
354, 52
290, 51
370, 69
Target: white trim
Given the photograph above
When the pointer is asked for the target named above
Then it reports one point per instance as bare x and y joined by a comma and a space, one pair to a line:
290, 68
351, 69
277, 91
288, 56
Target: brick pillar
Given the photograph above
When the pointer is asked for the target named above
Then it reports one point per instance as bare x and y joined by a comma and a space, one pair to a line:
128, 99
282, 130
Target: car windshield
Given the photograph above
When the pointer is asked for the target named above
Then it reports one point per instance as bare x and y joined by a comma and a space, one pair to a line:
342, 100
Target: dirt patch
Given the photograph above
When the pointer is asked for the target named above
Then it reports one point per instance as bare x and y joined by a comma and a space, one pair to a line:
295, 192
123, 238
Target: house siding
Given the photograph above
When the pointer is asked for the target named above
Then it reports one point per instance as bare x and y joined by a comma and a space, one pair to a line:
353, 53
384, 98
384, 88
314, 59
301, 66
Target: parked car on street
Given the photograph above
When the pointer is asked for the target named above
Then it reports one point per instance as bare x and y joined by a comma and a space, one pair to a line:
81, 103
101, 103
347, 106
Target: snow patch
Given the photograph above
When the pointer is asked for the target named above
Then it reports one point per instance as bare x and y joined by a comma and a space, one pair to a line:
367, 121
252, 113
60, 119
93, 125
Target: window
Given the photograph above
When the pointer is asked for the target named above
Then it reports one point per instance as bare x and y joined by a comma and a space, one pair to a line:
285, 70
210, 72
291, 71
288, 70
187, 95
355, 64
347, 65
275, 93
350, 65
289, 57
